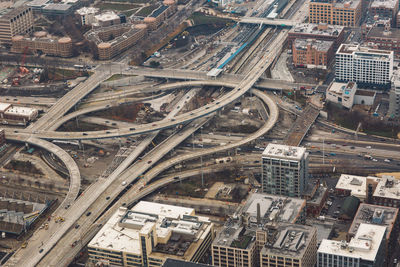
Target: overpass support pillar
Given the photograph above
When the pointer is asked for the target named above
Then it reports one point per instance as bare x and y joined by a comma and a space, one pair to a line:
26, 146
80, 145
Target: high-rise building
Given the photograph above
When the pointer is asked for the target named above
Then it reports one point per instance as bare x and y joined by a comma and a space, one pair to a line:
150, 233
340, 12
366, 248
363, 65
394, 100
284, 170
15, 22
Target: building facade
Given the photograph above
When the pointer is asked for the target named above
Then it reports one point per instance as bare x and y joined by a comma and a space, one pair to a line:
365, 66
284, 170
345, 13
41, 42
384, 38
385, 9
366, 248
2, 137
87, 15
150, 233
15, 22
16, 115
312, 53
394, 100
342, 93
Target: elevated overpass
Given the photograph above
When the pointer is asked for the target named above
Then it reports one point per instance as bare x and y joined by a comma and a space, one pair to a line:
269, 22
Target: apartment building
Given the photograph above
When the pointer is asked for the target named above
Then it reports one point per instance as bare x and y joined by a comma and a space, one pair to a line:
289, 245
150, 233
340, 12
365, 66
243, 235
312, 53
384, 38
366, 248
394, 99
14, 22
284, 170
387, 192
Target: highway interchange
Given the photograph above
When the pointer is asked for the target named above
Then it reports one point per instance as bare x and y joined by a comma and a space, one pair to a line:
132, 179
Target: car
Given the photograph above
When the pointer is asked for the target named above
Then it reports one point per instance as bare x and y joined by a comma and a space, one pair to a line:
374, 160
88, 214
113, 123
207, 107
84, 133
149, 162
352, 147
154, 124
172, 119
15, 131
368, 147
123, 183
76, 226
107, 121
387, 160
107, 132
41, 250
107, 198
217, 103
132, 129
178, 107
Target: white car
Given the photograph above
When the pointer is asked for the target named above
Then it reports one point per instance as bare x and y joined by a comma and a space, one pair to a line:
368, 147
374, 160
387, 160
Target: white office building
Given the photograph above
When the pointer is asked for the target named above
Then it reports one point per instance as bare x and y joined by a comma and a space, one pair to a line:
87, 15
365, 66
366, 248
284, 170
394, 101
150, 233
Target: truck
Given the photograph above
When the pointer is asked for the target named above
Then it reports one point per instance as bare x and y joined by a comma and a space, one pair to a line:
367, 157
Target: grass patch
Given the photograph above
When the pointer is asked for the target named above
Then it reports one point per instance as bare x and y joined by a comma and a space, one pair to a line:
145, 11
199, 19
116, 6
116, 77
130, 12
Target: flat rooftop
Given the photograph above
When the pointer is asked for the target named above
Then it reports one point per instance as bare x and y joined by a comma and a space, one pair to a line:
342, 3
388, 187
288, 240
389, 4
358, 50
379, 32
106, 16
356, 184
21, 111
284, 152
240, 229
58, 7
182, 230
365, 93
316, 29
273, 208
365, 244
319, 45
4, 107
373, 214
344, 89
87, 10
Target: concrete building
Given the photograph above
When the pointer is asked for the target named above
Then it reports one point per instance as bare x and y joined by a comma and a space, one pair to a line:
284, 170
364, 97
352, 185
384, 38
385, 9
107, 18
387, 192
394, 99
124, 36
87, 15
15, 22
42, 42
150, 233
10, 114
378, 215
312, 53
342, 93
239, 242
366, 248
288, 245
340, 12
322, 32
366, 66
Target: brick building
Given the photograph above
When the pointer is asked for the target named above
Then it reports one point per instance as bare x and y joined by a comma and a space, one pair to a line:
384, 38
345, 13
44, 43
385, 9
312, 53
322, 31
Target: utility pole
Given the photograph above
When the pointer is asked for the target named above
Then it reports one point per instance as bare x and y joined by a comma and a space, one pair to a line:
201, 158
323, 151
